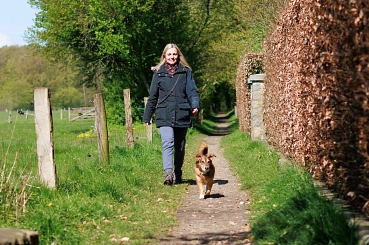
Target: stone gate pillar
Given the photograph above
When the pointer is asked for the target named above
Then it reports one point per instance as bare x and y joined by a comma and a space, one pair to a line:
256, 84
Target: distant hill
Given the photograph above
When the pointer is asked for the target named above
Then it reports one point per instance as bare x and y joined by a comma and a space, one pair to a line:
21, 70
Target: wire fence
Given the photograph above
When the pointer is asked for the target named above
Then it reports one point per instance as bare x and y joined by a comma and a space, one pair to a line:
117, 132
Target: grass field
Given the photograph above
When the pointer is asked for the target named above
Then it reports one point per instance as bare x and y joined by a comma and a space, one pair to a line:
94, 203
126, 199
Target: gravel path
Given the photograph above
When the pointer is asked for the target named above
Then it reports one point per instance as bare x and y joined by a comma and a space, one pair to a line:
221, 218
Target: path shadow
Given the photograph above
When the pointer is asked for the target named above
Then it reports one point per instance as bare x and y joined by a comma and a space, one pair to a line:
210, 129
220, 181
215, 195
189, 181
193, 182
209, 238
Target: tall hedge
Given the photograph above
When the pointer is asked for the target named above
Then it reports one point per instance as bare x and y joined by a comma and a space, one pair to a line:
317, 91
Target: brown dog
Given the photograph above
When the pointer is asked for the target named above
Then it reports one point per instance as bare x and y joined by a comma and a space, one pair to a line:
204, 170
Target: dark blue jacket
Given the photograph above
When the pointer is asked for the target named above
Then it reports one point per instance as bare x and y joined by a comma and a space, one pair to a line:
174, 108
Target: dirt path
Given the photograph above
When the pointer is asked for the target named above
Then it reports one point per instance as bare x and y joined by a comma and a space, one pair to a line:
220, 219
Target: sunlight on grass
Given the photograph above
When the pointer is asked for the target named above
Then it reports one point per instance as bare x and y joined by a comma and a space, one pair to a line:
95, 203
15, 175
285, 206
106, 203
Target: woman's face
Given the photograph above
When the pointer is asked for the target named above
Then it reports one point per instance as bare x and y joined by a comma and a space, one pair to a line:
171, 56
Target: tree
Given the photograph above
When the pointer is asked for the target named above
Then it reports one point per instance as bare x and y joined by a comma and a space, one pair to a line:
109, 39
114, 43
236, 27
21, 71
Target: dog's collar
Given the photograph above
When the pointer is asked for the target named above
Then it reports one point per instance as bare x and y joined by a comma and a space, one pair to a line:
206, 175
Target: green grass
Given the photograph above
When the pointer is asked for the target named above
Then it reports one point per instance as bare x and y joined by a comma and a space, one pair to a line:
210, 126
94, 203
102, 203
285, 206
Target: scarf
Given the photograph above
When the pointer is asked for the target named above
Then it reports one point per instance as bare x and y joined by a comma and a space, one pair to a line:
171, 68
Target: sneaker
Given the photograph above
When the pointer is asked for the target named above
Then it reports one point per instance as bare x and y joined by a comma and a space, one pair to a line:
168, 179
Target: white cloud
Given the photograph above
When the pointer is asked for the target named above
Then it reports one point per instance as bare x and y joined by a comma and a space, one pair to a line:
4, 40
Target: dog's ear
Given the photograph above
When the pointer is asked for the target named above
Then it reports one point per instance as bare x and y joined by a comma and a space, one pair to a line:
198, 157
211, 156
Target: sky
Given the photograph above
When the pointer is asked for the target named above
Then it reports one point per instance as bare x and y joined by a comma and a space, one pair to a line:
15, 17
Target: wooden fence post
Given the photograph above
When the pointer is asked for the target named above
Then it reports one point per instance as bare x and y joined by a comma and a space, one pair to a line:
101, 128
9, 116
44, 133
149, 127
128, 113
69, 118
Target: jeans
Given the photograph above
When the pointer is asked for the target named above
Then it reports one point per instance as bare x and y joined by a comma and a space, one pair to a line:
173, 141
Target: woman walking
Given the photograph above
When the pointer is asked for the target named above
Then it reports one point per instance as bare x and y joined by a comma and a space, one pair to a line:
174, 97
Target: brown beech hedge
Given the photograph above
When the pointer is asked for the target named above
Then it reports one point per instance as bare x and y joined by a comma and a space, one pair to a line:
316, 110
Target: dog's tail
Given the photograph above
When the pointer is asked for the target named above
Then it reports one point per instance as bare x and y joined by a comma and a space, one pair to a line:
203, 148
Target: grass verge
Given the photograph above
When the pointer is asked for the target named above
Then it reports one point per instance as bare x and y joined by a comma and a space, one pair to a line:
94, 203
126, 199
286, 208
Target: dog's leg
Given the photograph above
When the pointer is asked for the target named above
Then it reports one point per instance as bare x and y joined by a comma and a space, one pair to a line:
209, 185
201, 196
201, 189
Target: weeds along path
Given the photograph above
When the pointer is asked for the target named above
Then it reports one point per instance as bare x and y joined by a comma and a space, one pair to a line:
221, 218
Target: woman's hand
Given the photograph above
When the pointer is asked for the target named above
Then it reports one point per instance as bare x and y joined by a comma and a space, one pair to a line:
148, 124
195, 111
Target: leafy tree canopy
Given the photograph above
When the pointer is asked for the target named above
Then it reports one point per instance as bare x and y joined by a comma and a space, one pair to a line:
114, 43
21, 71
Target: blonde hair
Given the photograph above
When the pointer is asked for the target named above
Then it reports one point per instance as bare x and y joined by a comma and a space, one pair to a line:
182, 59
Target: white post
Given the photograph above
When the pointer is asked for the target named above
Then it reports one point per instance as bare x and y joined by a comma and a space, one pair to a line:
44, 133
257, 93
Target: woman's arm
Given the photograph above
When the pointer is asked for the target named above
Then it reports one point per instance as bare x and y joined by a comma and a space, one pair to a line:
192, 93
